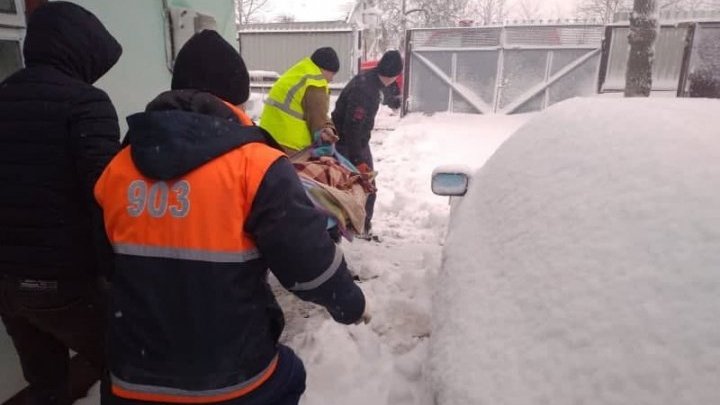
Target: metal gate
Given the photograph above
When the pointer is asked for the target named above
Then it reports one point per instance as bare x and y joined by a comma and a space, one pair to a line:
505, 69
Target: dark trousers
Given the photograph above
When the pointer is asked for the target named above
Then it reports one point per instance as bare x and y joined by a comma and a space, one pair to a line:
46, 318
365, 156
284, 387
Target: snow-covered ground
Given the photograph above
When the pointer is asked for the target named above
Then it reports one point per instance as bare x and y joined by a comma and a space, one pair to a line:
383, 362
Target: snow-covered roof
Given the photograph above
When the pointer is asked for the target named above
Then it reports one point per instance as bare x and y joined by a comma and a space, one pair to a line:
297, 26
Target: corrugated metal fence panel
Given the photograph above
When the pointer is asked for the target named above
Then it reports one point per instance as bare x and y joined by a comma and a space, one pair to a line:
277, 51
539, 35
481, 70
457, 38
669, 48
705, 61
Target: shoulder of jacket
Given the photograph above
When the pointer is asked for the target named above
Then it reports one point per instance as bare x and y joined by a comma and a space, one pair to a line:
257, 153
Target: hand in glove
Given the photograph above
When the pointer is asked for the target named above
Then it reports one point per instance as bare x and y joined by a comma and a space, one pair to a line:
366, 317
363, 168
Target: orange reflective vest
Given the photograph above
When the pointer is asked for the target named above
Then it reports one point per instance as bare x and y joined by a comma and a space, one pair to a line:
188, 280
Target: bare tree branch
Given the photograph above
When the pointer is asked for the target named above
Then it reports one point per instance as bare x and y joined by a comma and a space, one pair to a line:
246, 10
602, 10
606, 9
527, 9
486, 12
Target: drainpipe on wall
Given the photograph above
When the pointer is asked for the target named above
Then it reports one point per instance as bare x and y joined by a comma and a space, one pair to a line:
169, 39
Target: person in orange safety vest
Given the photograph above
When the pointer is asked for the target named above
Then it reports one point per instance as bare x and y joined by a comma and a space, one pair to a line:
198, 206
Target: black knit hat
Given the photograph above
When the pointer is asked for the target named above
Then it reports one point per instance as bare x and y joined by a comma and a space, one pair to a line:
390, 64
326, 58
207, 62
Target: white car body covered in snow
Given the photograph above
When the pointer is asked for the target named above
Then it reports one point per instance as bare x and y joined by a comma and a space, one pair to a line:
583, 264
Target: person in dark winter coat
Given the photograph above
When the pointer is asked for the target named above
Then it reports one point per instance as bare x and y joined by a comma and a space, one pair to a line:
57, 133
354, 118
198, 207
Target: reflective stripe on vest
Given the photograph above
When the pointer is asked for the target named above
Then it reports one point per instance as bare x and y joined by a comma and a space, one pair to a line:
283, 115
186, 254
325, 276
141, 392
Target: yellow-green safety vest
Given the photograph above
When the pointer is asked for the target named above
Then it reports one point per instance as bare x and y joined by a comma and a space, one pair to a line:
283, 114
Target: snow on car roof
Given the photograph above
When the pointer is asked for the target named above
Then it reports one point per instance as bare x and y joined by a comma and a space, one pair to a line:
583, 265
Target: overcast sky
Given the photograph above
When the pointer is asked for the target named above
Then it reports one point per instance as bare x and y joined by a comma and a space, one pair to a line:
322, 10
308, 10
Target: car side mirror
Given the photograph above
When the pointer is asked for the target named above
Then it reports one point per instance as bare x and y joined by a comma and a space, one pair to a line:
451, 182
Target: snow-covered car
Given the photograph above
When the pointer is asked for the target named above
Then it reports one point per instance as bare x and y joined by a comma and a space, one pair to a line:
583, 264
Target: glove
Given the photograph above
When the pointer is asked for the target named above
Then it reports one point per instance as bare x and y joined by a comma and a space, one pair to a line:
366, 317
363, 168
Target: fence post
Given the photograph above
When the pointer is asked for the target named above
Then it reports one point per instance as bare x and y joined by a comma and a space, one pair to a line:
548, 70
453, 77
499, 75
687, 55
605, 57
406, 73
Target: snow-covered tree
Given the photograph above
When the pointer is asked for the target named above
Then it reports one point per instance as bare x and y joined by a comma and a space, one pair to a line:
444, 13
604, 10
486, 12
526, 9
643, 31
417, 14
687, 5
285, 18
246, 10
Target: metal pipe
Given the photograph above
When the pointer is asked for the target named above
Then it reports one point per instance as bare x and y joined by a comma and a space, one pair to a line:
168, 34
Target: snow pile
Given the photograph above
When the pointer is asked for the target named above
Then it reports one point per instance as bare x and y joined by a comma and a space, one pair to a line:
384, 362
583, 266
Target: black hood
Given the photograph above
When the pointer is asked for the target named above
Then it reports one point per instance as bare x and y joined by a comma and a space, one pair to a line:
71, 39
184, 129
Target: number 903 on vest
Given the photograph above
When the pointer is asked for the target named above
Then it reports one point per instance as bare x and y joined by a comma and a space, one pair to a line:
158, 199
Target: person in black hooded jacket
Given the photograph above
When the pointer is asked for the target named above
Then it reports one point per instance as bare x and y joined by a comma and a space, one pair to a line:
57, 133
354, 118
198, 206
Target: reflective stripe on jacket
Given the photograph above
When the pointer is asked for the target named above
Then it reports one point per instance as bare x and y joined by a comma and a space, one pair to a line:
283, 114
192, 318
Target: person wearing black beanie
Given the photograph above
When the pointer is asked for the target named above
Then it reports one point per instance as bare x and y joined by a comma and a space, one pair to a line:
326, 58
354, 118
390, 64
296, 110
207, 62
200, 206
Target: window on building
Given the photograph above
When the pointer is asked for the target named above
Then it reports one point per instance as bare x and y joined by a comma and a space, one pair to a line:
10, 59
12, 13
8, 7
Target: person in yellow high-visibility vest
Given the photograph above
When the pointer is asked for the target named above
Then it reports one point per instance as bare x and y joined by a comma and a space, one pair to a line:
296, 109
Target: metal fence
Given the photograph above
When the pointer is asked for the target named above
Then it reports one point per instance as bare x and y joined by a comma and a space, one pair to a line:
667, 63
702, 61
504, 69
277, 46
687, 54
